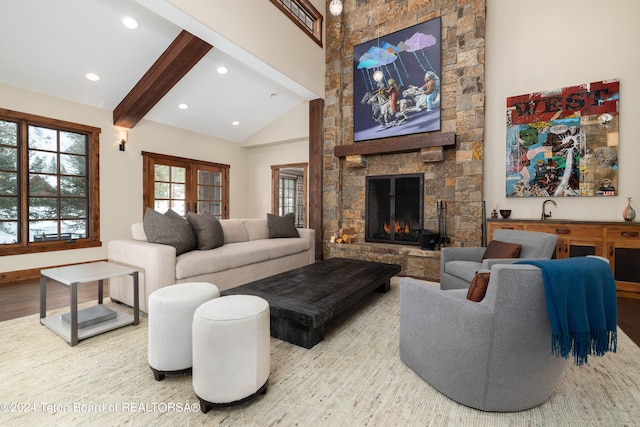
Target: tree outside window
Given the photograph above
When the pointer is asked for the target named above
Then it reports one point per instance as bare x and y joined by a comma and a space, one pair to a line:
48, 184
185, 185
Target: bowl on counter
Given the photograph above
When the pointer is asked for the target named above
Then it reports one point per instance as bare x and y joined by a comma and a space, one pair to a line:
505, 213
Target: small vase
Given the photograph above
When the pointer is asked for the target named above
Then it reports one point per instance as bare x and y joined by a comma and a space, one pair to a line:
629, 214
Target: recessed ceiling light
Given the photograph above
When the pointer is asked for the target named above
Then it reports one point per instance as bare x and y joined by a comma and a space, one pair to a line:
129, 22
92, 76
235, 123
222, 69
183, 106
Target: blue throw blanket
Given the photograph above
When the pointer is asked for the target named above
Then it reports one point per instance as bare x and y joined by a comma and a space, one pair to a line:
582, 306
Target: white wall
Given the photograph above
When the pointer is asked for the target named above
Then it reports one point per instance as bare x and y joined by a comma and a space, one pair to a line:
285, 141
260, 160
121, 172
262, 30
547, 44
293, 126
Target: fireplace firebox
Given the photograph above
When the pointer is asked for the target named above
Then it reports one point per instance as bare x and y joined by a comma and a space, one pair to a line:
394, 208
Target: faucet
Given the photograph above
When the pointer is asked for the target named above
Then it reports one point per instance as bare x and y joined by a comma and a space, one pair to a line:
544, 215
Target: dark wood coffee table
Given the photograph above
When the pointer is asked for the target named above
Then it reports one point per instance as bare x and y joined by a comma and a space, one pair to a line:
301, 301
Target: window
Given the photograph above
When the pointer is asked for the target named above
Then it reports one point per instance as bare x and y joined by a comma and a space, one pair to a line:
304, 15
185, 185
49, 185
289, 191
287, 195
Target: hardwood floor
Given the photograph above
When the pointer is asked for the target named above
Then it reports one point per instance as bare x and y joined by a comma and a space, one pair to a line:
22, 298
629, 318
19, 299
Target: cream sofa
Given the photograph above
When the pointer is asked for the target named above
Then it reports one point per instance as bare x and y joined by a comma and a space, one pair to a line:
248, 254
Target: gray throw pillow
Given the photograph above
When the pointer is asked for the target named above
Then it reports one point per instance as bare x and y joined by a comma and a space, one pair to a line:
282, 226
208, 230
169, 229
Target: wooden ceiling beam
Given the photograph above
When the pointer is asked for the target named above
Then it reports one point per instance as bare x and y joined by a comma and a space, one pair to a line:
176, 61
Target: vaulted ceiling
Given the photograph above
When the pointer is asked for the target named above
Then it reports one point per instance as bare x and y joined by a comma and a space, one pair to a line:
48, 47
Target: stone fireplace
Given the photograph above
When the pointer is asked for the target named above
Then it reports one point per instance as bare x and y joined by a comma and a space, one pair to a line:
451, 169
393, 212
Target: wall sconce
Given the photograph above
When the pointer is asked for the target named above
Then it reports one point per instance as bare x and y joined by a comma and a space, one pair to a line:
335, 7
123, 139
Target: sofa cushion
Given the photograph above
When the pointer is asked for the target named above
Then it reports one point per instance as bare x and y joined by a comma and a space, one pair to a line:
169, 229
278, 248
282, 226
257, 228
498, 249
208, 230
234, 231
137, 232
239, 254
478, 286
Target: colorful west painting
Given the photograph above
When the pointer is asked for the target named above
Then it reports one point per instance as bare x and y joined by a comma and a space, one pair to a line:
563, 142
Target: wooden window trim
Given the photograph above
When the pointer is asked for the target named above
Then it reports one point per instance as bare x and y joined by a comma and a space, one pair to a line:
316, 16
150, 158
275, 183
93, 186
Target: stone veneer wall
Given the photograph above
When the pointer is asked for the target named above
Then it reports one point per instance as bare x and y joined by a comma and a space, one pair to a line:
457, 179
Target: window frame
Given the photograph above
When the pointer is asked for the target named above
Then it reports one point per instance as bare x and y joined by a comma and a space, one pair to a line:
275, 189
283, 197
149, 160
24, 246
316, 31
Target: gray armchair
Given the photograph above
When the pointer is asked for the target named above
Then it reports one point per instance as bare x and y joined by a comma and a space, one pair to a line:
493, 355
459, 265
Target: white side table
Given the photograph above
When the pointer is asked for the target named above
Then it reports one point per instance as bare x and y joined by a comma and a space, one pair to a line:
92, 318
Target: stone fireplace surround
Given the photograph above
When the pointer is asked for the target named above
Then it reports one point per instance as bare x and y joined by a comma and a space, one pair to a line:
452, 173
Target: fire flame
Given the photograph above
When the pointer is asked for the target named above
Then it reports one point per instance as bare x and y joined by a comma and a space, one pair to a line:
397, 228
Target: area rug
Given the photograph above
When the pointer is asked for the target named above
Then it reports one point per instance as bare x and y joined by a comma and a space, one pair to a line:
353, 377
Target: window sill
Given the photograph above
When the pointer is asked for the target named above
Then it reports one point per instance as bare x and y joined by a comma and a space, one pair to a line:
49, 247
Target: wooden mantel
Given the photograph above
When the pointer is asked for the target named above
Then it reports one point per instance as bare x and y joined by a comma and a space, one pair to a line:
399, 144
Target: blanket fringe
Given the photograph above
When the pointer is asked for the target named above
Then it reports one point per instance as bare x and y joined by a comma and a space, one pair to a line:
595, 342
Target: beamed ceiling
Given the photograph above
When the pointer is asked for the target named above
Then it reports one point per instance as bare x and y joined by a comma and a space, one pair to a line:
49, 46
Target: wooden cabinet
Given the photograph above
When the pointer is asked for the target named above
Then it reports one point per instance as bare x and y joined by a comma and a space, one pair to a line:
623, 252
574, 239
618, 242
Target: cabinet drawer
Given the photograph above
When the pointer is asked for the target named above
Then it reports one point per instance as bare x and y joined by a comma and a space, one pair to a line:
542, 228
506, 226
492, 226
619, 233
570, 230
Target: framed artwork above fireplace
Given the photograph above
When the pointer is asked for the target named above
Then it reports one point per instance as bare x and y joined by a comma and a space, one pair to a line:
396, 83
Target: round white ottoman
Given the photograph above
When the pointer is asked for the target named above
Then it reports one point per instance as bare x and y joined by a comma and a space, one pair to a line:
170, 319
231, 350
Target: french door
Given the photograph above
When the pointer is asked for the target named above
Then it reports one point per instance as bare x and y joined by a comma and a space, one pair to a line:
185, 185
289, 191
